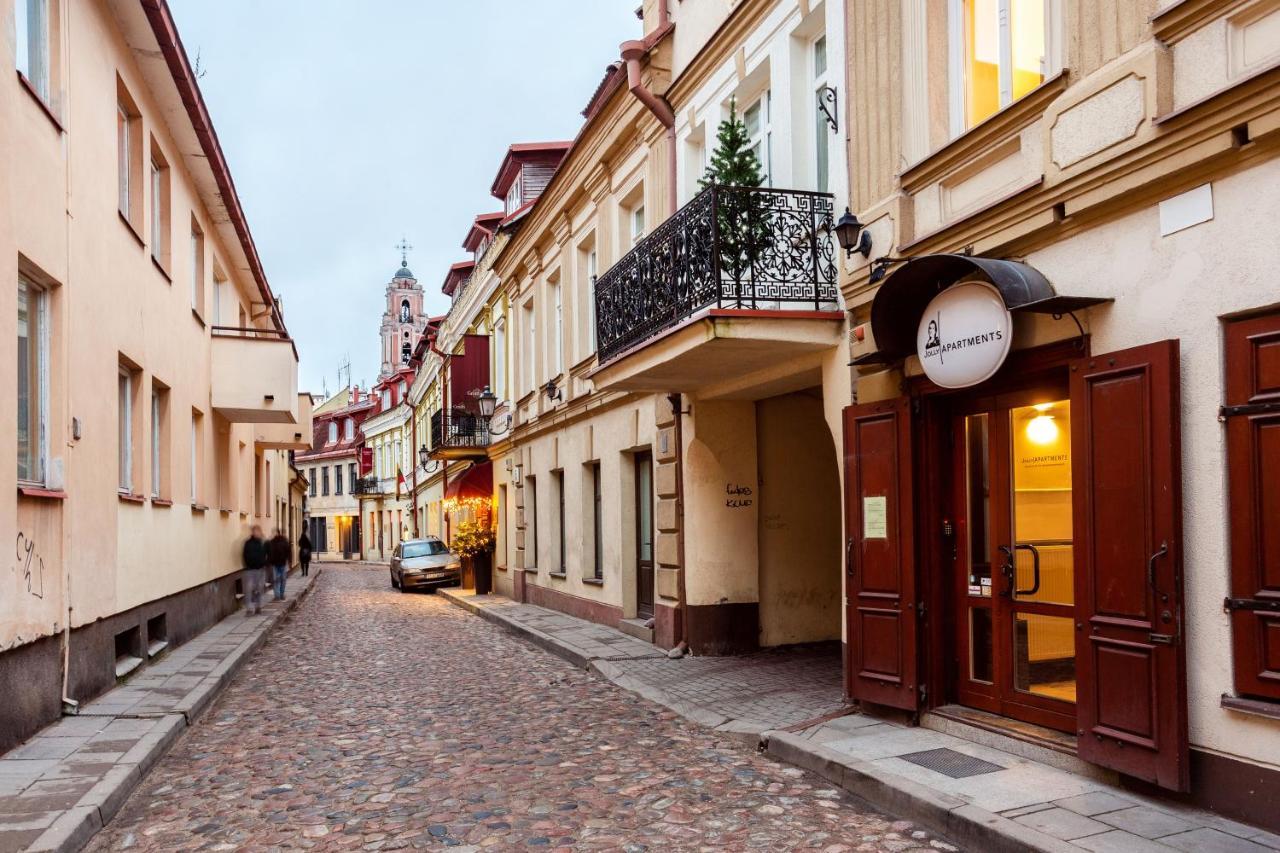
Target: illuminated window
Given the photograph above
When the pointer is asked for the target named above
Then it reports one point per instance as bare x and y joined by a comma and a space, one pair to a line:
1001, 46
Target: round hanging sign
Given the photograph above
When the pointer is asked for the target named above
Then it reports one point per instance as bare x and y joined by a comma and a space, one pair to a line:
964, 335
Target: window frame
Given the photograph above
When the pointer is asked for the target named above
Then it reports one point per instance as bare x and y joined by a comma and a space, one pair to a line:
597, 521
197, 267
763, 136
40, 81
821, 130
159, 446
160, 220
531, 519
557, 479
38, 447
124, 429
332, 436
958, 31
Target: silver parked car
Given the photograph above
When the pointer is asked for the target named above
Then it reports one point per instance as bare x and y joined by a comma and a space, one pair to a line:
424, 564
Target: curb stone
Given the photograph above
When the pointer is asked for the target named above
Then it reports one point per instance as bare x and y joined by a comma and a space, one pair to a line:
76, 827
952, 817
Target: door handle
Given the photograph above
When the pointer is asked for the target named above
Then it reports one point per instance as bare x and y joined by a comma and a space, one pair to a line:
1006, 569
848, 557
1151, 567
1035, 569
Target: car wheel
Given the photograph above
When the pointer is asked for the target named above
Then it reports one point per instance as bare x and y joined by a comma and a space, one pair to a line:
395, 584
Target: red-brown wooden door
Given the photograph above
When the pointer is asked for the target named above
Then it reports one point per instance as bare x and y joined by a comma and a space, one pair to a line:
1131, 662
1252, 414
880, 596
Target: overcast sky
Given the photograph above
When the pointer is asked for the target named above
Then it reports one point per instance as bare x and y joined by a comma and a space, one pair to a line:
348, 124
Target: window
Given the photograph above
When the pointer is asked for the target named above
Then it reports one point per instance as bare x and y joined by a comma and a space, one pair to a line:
597, 526
637, 224
129, 155
760, 135
513, 197
197, 455
386, 399
337, 479
311, 475
998, 50
557, 332
530, 347
124, 401
159, 439
197, 268
124, 159
324, 474
31, 23
219, 282
349, 429
333, 433
351, 476
500, 358
33, 369
531, 521
159, 207
821, 130
402, 389
557, 480
592, 267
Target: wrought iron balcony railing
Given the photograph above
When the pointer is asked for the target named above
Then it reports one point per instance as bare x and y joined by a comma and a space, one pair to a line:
458, 429
730, 247
370, 485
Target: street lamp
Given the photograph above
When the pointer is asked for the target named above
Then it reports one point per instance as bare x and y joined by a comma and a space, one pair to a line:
429, 466
488, 402
852, 235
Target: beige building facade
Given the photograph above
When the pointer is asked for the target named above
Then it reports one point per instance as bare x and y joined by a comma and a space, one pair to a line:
1105, 175
155, 396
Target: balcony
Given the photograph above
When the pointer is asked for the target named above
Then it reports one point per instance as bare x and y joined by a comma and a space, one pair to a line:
287, 436
254, 376
459, 434
371, 486
739, 280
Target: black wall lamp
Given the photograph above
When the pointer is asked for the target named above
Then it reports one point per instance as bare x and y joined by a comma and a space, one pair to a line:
429, 466
829, 106
488, 402
553, 391
852, 235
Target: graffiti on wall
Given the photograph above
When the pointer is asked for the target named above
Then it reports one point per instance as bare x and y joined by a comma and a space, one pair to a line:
739, 496
30, 566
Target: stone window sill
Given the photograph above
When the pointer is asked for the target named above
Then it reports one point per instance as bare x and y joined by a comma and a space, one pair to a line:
161, 502
130, 497
558, 575
1257, 707
200, 508
44, 105
594, 581
128, 223
164, 272
42, 493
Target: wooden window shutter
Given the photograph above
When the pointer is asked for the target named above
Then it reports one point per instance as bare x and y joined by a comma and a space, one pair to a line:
880, 614
1252, 415
1130, 642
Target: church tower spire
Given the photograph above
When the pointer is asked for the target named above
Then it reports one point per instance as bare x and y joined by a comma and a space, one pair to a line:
404, 318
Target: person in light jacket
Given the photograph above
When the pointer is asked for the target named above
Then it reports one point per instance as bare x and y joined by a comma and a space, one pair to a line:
279, 553
255, 561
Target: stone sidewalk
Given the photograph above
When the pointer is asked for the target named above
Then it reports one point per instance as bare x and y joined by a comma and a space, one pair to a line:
66, 782
788, 704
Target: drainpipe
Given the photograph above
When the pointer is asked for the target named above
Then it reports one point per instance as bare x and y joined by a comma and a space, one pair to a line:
632, 52
681, 635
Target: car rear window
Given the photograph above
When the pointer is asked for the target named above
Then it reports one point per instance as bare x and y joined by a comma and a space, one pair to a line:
424, 549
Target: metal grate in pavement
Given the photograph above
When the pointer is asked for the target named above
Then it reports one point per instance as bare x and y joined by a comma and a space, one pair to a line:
948, 762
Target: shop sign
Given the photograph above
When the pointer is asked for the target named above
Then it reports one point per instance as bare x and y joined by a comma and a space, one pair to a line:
964, 335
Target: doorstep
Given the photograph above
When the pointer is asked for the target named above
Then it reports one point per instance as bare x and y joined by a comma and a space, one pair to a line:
988, 798
58, 788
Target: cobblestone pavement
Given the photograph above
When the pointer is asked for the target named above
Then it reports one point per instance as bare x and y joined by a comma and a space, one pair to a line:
375, 720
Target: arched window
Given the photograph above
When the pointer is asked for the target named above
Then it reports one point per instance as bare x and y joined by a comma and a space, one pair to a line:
405, 316
333, 432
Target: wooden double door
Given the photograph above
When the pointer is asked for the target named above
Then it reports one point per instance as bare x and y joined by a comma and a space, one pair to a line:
1008, 550
952, 503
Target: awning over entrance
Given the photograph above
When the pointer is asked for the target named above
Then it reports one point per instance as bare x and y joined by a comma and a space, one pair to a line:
901, 299
475, 484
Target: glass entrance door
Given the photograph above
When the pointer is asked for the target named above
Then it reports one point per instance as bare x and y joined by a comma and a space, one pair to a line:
1013, 557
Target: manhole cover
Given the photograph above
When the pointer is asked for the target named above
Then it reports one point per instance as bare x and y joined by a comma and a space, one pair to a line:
948, 762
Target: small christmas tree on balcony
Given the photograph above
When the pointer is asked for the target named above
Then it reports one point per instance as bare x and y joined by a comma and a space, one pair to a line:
741, 217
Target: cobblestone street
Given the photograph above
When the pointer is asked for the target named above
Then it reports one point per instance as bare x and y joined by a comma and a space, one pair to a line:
374, 720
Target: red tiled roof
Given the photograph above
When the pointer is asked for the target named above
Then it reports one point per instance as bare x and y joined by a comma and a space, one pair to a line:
483, 226
521, 152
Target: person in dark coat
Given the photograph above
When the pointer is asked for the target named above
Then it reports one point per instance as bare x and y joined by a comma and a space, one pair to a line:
279, 553
304, 552
255, 561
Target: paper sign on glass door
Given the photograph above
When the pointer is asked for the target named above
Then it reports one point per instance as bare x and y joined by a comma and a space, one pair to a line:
875, 517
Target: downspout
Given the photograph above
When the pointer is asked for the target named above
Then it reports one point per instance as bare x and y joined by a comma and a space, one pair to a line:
681, 633
413, 458
632, 52
69, 705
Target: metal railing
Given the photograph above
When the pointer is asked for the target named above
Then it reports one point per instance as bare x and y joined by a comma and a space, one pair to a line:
458, 428
730, 247
367, 486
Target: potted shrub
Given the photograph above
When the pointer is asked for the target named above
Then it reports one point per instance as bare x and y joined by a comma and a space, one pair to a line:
474, 542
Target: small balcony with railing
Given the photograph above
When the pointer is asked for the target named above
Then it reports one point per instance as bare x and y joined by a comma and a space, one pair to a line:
458, 434
737, 281
255, 377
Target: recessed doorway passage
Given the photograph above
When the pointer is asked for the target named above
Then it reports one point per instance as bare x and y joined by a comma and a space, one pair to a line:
1011, 557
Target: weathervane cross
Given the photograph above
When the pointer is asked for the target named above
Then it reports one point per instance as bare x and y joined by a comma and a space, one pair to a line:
404, 246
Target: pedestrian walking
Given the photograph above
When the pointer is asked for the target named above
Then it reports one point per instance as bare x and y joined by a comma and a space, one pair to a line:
304, 552
279, 552
255, 561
